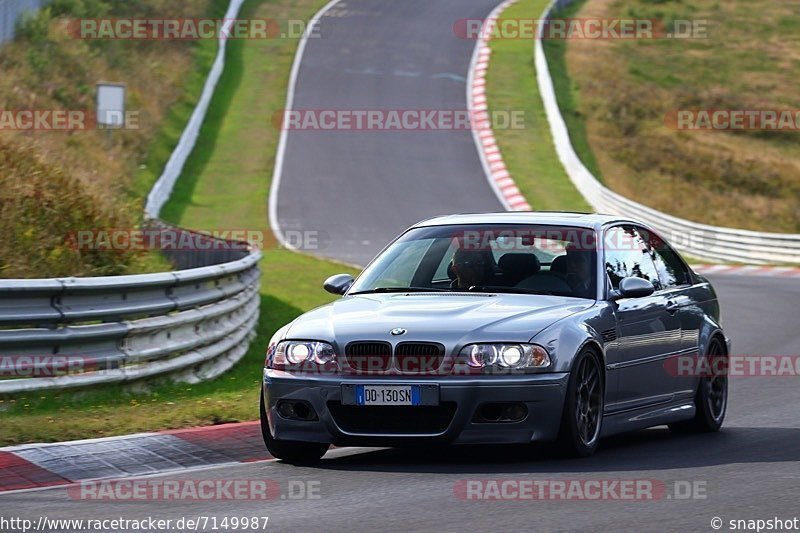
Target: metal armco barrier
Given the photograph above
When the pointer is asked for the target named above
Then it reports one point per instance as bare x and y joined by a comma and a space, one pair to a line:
192, 324
699, 240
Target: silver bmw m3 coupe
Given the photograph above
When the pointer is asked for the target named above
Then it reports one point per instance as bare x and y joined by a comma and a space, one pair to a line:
501, 328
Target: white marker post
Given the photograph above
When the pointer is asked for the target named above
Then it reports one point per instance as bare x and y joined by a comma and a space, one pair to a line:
111, 105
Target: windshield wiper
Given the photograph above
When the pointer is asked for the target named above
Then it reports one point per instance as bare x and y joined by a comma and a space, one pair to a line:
400, 289
513, 290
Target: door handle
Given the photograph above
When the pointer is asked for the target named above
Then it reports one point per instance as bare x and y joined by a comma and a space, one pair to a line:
672, 307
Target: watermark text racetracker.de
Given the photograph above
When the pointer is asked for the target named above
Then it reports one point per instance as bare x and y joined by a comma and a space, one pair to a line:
397, 119
175, 239
195, 490
733, 119
46, 365
557, 240
771, 366
528, 489
579, 28
143, 239
177, 29
65, 120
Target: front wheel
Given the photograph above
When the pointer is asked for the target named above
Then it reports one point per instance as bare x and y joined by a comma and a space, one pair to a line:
290, 451
711, 399
583, 409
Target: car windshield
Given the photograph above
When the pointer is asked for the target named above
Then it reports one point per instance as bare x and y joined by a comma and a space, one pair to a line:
527, 259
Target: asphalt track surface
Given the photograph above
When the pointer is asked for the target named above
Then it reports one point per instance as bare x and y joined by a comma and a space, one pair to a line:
357, 190
749, 470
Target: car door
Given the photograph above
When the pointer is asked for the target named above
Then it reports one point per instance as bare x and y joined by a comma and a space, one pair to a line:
647, 330
677, 286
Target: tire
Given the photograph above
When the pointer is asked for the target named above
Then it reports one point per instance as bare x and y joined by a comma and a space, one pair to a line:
582, 419
290, 451
711, 399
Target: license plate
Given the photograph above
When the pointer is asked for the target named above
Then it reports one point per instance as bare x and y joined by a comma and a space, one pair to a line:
388, 395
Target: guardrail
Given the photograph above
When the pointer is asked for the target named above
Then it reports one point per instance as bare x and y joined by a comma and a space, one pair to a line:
193, 323
162, 189
699, 240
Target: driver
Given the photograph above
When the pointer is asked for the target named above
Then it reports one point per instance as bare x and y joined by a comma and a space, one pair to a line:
471, 267
579, 270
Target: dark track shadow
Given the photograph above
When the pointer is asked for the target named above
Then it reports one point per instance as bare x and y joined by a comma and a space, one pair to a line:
652, 449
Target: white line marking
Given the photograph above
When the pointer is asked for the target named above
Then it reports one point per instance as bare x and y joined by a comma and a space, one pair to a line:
715, 268
143, 476
277, 172
20, 447
333, 453
743, 270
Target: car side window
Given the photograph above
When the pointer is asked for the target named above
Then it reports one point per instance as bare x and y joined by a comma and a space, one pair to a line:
626, 255
671, 270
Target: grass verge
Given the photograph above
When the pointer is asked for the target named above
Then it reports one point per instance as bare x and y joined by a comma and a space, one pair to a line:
620, 99
529, 152
56, 183
225, 186
169, 133
568, 93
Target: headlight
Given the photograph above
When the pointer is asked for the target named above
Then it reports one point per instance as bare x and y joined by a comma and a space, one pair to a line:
299, 352
507, 356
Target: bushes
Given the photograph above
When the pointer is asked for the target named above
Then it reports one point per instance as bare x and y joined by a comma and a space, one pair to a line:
54, 183
40, 209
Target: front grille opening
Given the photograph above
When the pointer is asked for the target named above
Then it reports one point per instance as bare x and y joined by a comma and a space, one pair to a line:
369, 356
393, 419
418, 357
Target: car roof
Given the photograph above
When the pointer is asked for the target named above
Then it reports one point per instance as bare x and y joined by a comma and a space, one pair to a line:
556, 218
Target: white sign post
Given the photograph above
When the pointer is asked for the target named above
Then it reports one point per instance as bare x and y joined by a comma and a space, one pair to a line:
111, 105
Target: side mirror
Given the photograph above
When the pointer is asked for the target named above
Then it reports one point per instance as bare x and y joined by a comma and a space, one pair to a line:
338, 284
633, 287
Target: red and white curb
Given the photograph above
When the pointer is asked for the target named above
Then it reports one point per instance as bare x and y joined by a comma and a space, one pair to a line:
33, 466
491, 157
748, 270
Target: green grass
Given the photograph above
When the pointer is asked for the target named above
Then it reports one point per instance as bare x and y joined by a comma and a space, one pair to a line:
183, 195
568, 93
616, 97
529, 153
52, 185
162, 146
229, 178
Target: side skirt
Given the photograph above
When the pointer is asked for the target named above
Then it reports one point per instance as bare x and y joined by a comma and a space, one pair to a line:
654, 415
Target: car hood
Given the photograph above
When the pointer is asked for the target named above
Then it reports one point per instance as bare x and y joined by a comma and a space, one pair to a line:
451, 319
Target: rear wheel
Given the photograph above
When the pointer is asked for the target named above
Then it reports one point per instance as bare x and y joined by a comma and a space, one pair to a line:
294, 452
711, 400
583, 409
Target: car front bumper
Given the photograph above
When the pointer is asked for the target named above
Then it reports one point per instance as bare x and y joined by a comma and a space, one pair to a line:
459, 398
